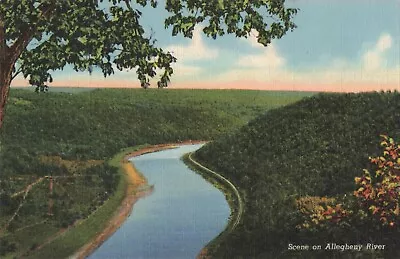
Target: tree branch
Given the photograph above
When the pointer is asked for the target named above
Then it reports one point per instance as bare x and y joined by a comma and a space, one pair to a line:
128, 5
19, 71
22, 42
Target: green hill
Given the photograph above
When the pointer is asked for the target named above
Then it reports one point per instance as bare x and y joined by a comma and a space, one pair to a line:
313, 147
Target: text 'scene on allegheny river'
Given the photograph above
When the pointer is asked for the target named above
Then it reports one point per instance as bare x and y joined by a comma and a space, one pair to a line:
337, 247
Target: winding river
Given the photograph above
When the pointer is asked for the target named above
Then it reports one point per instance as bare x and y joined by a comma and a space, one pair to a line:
183, 213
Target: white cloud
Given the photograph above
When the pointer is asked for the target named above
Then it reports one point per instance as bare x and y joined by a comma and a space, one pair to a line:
252, 39
269, 59
384, 42
196, 50
185, 70
372, 70
374, 59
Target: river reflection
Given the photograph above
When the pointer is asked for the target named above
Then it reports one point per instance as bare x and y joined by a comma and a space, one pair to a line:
183, 213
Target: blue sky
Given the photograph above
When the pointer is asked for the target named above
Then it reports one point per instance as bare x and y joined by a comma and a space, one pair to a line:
339, 45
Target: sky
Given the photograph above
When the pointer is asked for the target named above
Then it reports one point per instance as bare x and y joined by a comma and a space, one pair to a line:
338, 46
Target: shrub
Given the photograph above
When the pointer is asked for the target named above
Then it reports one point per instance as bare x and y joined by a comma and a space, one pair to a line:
379, 193
372, 211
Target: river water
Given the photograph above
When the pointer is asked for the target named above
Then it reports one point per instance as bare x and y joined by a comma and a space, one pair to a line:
177, 220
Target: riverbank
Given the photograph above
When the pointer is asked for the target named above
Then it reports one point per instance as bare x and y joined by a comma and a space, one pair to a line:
136, 188
232, 196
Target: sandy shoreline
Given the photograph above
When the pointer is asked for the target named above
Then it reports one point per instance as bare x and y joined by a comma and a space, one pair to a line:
137, 188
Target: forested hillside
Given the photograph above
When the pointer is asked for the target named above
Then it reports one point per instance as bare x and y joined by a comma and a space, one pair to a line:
96, 124
313, 147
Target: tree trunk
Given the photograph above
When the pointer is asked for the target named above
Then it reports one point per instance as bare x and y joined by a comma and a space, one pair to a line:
5, 71
5, 81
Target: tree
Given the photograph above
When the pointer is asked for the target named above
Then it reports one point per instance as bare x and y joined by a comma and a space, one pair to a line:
40, 36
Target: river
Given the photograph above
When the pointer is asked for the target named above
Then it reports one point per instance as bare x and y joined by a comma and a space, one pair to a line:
183, 213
